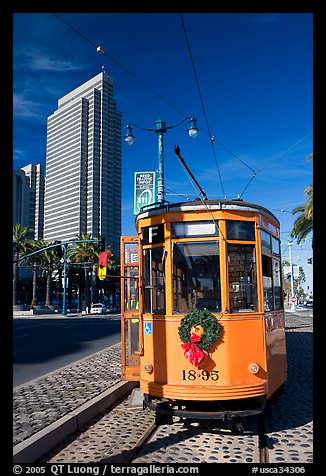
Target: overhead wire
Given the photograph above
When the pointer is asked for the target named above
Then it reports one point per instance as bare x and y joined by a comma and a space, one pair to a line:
254, 175
202, 102
254, 172
212, 138
284, 152
76, 30
203, 201
121, 66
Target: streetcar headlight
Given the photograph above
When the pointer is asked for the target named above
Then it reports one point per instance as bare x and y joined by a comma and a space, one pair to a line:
148, 368
253, 368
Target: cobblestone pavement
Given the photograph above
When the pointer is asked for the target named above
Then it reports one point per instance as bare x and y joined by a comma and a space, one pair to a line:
290, 423
40, 402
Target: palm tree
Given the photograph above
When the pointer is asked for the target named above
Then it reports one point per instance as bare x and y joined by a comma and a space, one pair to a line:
49, 259
38, 261
303, 225
23, 244
87, 255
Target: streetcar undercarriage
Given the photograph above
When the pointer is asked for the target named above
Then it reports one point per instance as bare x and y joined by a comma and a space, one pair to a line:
231, 412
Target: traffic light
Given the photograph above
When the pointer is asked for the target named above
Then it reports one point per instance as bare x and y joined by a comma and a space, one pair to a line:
102, 243
58, 249
102, 264
309, 260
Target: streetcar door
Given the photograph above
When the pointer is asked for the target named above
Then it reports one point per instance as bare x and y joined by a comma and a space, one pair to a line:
130, 312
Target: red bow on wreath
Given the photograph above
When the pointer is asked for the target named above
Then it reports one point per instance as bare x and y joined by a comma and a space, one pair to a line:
193, 353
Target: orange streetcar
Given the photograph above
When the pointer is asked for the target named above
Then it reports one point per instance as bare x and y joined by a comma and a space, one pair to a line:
203, 327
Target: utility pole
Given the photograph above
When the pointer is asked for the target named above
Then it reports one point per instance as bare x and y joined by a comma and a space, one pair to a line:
292, 283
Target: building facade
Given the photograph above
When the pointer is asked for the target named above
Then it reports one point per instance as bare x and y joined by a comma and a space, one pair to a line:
35, 175
83, 165
28, 198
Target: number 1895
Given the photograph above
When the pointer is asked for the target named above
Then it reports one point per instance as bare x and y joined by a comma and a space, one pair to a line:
202, 374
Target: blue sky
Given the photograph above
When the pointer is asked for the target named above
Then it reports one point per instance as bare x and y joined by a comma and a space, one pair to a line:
254, 72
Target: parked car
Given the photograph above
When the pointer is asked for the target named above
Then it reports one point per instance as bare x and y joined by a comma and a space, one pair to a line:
98, 308
309, 303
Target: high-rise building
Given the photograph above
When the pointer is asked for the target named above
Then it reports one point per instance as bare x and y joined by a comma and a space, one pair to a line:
83, 165
35, 175
28, 198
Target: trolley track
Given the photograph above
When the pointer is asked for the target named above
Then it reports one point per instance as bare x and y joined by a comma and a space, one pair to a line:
132, 435
262, 439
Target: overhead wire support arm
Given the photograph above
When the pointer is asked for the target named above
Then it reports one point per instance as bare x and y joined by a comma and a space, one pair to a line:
64, 243
178, 154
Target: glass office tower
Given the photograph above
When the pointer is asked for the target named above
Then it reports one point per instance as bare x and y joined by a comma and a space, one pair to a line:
83, 165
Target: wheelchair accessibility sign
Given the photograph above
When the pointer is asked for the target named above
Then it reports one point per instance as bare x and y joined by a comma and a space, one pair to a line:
148, 327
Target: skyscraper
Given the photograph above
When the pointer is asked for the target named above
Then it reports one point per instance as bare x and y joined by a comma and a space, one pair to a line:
28, 194
83, 165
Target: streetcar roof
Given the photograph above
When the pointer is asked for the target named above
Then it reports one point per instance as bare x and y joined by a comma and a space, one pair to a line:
210, 205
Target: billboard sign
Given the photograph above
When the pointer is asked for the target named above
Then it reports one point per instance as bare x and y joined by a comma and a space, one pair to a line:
144, 190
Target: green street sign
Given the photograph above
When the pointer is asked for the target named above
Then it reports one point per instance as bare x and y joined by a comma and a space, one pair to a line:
144, 190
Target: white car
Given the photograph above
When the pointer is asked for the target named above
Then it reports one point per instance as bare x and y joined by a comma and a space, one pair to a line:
98, 308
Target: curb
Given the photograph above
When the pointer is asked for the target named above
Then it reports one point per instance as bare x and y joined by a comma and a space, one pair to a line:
36, 446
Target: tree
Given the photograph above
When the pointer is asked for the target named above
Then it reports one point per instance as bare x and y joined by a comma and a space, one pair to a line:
38, 261
23, 244
303, 225
298, 290
86, 253
49, 259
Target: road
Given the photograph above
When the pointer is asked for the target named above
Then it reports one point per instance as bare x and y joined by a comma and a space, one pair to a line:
43, 345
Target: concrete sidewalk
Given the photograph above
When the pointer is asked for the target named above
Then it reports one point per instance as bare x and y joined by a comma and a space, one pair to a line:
50, 408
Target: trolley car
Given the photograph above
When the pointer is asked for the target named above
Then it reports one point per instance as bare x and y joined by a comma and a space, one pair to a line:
203, 327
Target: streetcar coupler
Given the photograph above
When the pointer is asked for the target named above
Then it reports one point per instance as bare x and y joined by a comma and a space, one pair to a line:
234, 422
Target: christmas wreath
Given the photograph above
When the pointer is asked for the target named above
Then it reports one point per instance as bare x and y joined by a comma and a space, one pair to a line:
198, 330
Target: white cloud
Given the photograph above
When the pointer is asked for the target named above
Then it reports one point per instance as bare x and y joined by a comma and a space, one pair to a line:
27, 108
36, 59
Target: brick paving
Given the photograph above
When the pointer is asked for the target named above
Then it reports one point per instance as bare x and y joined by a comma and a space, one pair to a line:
40, 402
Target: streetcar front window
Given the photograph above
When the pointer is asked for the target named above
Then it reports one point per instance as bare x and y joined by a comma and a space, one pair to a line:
242, 278
196, 276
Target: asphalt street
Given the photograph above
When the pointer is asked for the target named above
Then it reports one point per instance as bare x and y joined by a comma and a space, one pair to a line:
41, 346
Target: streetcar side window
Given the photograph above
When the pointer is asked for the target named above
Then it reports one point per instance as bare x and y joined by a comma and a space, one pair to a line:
131, 341
267, 283
153, 272
196, 276
265, 240
278, 298
242, 278
271, 269
130, 289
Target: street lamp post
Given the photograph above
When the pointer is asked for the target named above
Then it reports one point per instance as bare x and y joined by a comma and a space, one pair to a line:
64, 311
160, 128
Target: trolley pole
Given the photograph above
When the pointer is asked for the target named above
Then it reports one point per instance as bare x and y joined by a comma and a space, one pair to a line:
292, 283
